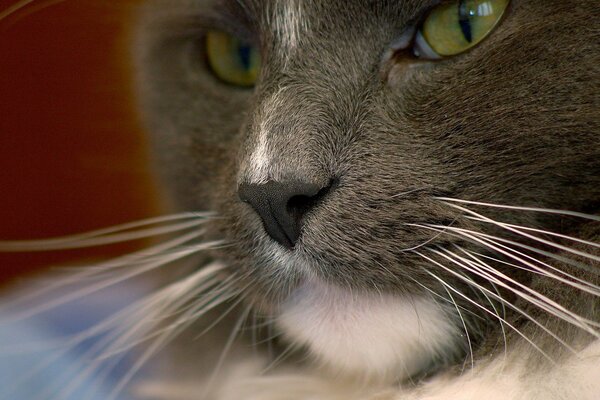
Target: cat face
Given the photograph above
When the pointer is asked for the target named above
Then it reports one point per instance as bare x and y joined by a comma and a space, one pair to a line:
327, 174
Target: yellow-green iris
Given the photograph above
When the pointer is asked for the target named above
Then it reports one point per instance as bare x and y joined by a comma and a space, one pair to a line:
232, 60
452, 28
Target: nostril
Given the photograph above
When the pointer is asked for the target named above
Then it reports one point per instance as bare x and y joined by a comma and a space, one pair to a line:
300, 204
282, 206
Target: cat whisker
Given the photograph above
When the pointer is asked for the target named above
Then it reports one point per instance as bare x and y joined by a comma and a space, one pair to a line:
93, 271
583, 285
238, 295
169, 333
141, 311
167, 311
165, 335
434, 237
282, 357
439, 297
116, 234
14, 8
486, 275
543, 302
524, 313
254, 330
583, 267
491, 243
76, 294
479, 293
464, 324
495, 244
533, 237
542, 231
533, 209
468, 299
228, 344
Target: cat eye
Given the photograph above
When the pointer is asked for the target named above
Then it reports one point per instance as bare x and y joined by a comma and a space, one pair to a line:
232, 60
453, 28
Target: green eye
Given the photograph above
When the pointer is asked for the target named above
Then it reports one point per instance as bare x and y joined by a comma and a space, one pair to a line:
232, 60
452, 28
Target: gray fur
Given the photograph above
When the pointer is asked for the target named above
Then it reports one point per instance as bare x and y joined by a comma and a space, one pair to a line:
513, 121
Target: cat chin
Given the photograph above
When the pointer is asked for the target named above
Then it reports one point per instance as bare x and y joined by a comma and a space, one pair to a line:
370, 336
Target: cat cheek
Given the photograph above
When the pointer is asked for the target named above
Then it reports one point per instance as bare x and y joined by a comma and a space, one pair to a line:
400, 74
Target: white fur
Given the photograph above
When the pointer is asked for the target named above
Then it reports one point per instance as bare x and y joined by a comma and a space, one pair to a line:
576, 378
260, 160
379, 337
260, 167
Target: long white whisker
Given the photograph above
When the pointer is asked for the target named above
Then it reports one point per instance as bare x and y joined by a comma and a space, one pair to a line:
542, 231
496, 312
138, 311
487, 276
162, 340
425, 243
509, 304
284, 355
442, 298
225, 313
234, 333
584, 286
107, 283
76, 242
527, 235
534, 209
121, 227
220, 292
491, 242
141, 256
161, 306
474, 284
464, 324
566, 260
14, 8
541, 301
173, 330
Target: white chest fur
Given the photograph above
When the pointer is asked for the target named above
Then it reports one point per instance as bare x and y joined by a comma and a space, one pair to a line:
380, 337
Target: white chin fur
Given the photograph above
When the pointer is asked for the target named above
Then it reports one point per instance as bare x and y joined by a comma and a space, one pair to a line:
373, 336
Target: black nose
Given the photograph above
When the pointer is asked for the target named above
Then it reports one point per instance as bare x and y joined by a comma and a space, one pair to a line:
282, 206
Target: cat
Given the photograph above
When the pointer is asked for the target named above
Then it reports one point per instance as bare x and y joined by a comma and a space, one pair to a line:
405, 197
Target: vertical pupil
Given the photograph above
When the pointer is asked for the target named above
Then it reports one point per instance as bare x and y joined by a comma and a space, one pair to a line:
245, 55
464, 15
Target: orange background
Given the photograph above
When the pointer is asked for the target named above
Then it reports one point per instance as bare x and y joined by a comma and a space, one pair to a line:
72, 154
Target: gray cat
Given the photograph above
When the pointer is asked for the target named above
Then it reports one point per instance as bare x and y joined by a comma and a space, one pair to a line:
364, 182
406, 197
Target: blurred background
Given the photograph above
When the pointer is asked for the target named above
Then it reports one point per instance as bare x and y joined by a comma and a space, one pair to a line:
72, 152
72, 159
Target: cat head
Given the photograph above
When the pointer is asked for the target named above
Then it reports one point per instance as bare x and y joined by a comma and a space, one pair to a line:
329, 174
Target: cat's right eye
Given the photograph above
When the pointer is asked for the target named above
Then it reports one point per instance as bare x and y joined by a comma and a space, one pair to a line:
232, 60
454, 27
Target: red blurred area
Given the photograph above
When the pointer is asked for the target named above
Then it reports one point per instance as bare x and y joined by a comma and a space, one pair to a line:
72, 155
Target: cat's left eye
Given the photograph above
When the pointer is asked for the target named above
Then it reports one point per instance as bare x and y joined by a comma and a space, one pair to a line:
232, 60
453, 28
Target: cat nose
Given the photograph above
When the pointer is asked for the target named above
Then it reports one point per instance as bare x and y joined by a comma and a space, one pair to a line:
282, 206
